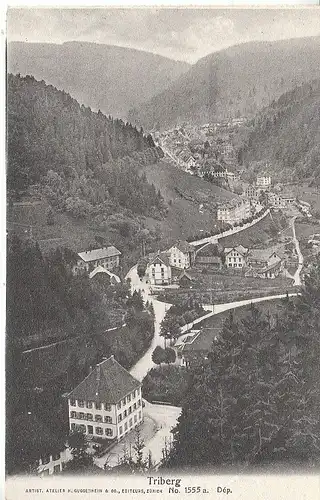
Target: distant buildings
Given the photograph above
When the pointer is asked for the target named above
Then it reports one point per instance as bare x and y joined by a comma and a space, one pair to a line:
159, 270
107, 403
263, 181
107, 257
234, 211
262, 264
181, 255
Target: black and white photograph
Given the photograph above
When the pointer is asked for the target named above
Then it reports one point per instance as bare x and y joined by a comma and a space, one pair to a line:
162, 248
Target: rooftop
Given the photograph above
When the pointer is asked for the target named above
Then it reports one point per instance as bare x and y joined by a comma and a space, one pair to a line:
240, 248
162, 256
108, 382
183, 246
99, 253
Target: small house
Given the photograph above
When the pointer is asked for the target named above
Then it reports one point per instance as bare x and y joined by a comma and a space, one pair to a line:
159, 270
182, 255
236, 257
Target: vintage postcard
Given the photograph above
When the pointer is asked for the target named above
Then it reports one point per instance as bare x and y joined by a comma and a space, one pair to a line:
163, 253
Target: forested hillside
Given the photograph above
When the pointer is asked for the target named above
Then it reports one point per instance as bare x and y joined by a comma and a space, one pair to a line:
67, 316
286, 134
259, 391
84, 161
110, 78
237, 81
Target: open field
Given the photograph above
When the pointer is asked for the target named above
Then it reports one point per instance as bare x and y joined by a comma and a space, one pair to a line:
184, 214
305, 230
227, 289
261, 233
306, 193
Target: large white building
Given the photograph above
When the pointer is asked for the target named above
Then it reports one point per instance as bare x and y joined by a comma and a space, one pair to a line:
107, 403
182, 255
159, 270
264, 181
107, 257
234, 211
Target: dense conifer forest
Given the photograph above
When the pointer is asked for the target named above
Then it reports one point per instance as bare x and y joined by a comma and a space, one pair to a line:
68, 316
86, 163
286, 134
259, 391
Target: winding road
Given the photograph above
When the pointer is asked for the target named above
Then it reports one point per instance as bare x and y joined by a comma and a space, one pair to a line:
145, 363
296, 276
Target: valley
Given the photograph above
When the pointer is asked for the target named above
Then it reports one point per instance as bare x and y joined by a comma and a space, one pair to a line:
163, 245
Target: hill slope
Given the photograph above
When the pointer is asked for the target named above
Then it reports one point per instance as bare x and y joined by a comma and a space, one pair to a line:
112, 79
236, 81
287, 135
184, 194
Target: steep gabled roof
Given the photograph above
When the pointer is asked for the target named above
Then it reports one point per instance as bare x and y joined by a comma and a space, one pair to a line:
184, 274
109, 382
240, 249
162, 256
99, 253
183, 246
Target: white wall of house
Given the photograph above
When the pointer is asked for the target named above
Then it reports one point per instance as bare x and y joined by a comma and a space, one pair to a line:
53, 464
159, 273
106, 421
235, 259
179, 259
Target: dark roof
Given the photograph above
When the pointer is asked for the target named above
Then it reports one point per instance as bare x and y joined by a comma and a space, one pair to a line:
108, 381
184, 274
99, 253
162, 256
184, 246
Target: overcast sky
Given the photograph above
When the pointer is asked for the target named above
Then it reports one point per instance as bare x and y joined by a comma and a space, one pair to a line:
184, 34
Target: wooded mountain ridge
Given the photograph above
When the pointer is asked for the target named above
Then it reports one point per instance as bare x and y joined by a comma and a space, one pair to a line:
237, 81
86, 162
286, 135
106, 77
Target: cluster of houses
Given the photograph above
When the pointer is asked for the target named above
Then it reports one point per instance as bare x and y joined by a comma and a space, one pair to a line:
183, 256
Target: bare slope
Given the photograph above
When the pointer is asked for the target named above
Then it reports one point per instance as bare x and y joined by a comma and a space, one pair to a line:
184, 195
112, 79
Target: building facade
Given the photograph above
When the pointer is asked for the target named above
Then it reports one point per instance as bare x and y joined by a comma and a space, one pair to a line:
107, 257
182, 255
234, 211
159, 270
236, 257
107, 403
264, 181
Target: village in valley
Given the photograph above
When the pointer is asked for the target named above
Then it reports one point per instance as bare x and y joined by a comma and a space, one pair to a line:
205, 278
162, 280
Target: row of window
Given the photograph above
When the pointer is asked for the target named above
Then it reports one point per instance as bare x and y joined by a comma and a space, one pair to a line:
234, 265
130, 409
89, 416
90, 404
89, 428
235, 259
125, 428
128, 398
